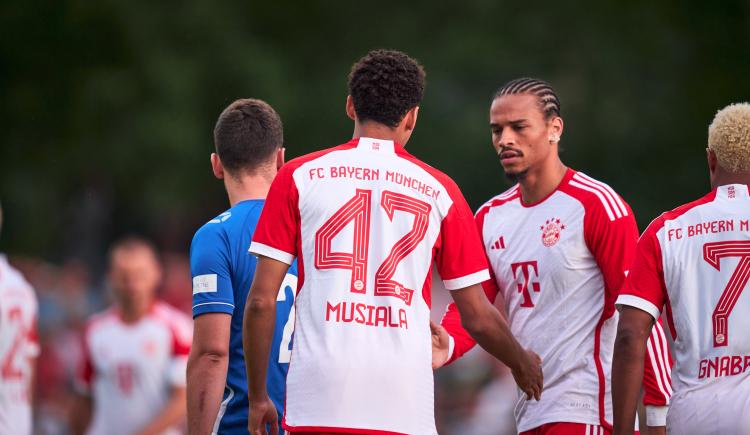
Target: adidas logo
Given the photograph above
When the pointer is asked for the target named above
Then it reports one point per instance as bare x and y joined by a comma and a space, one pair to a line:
498, 244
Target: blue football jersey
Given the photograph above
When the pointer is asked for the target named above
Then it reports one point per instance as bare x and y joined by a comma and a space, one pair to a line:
222, 270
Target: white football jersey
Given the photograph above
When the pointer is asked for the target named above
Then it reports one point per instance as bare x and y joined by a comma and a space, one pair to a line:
558, 264
365, 221
130, 369
18, 348
694, 262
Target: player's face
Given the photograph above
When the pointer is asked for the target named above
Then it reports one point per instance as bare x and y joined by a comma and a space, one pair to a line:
134, 274
520, 133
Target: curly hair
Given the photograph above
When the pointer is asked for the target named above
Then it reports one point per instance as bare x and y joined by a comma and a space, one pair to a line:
548, 101
729, 137
385, 85
247, 134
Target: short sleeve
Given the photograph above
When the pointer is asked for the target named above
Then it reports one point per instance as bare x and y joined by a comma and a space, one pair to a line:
460, 259
644, 287
612, 241
278, 227
210, 269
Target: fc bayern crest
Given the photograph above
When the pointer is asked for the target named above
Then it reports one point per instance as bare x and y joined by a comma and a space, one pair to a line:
551, 231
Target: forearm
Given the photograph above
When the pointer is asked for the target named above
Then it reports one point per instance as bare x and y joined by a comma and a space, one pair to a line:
627, 374
170, 415
493, 334
206, 377
257, 335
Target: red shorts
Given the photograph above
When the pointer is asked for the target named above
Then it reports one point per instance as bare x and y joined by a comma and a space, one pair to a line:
568, 429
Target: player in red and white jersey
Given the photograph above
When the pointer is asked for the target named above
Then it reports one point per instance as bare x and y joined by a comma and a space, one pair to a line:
18, 349
135, 353
694, 263
366, 220
559, 244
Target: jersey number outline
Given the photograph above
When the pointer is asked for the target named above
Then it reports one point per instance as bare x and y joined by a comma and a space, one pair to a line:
712, 254
285, 354
8, 371
358, 210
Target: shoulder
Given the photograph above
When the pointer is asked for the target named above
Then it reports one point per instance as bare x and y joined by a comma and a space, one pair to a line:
658, 223
498, 200
291, 166
597, 196
213, 231
176, 321
99, 322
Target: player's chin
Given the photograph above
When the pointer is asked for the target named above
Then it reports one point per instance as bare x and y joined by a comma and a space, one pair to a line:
513, 173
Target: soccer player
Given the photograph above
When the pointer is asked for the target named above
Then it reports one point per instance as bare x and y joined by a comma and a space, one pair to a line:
248, 138
135, 352
559, 245
365, 220
19, 349
693, 262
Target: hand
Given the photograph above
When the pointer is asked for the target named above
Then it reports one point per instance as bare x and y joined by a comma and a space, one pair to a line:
262, 413
529, 375
440, 345
656, 430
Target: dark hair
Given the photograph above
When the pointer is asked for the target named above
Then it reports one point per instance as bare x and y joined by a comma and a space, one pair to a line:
132, 242
385, 84
548, 101
247, 133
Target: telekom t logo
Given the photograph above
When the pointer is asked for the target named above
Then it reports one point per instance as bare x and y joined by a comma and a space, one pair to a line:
713, 253
526, 268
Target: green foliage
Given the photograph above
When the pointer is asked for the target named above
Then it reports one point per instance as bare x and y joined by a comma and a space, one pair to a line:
108, 107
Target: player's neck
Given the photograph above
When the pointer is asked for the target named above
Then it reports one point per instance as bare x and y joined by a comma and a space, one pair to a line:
132, 313
247, 187
540, 182
721, 178
377, 131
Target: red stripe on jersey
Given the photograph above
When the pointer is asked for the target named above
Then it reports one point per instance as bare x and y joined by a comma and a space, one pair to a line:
612, 197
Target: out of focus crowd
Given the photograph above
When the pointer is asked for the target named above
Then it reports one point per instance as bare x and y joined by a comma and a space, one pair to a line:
474, 396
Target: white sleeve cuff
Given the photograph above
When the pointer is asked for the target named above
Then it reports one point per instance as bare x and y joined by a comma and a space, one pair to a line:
467, 280
451, 348
640, 303
267, 251
656, 415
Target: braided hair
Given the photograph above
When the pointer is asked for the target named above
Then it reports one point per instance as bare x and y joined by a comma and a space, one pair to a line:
548, 101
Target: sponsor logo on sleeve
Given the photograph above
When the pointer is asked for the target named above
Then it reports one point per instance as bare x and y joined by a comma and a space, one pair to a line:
205, 284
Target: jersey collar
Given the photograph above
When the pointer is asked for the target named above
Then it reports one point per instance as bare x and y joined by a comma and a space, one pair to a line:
378, 145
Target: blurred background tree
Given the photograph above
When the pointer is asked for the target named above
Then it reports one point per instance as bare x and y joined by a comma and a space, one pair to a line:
108, 107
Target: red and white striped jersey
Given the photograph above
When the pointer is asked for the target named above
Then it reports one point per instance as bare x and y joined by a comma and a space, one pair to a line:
695, 262
18, 348
558, 264
129, 369
365, 221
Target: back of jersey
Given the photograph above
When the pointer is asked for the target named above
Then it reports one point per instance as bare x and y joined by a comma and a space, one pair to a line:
222, 270
18, 346
701, 256
365, 221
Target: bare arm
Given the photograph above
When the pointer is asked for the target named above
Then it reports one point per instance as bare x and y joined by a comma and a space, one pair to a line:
80, 414
633, 330
257, 336
170, 415
207, 370
487, 326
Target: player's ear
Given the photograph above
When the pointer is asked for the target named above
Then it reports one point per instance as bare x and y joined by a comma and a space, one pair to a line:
410, 119
280, 157
555, 129
712, 162
216, 166
350, 112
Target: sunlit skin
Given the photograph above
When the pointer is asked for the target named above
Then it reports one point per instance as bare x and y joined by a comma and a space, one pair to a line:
527, 144
134, 274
